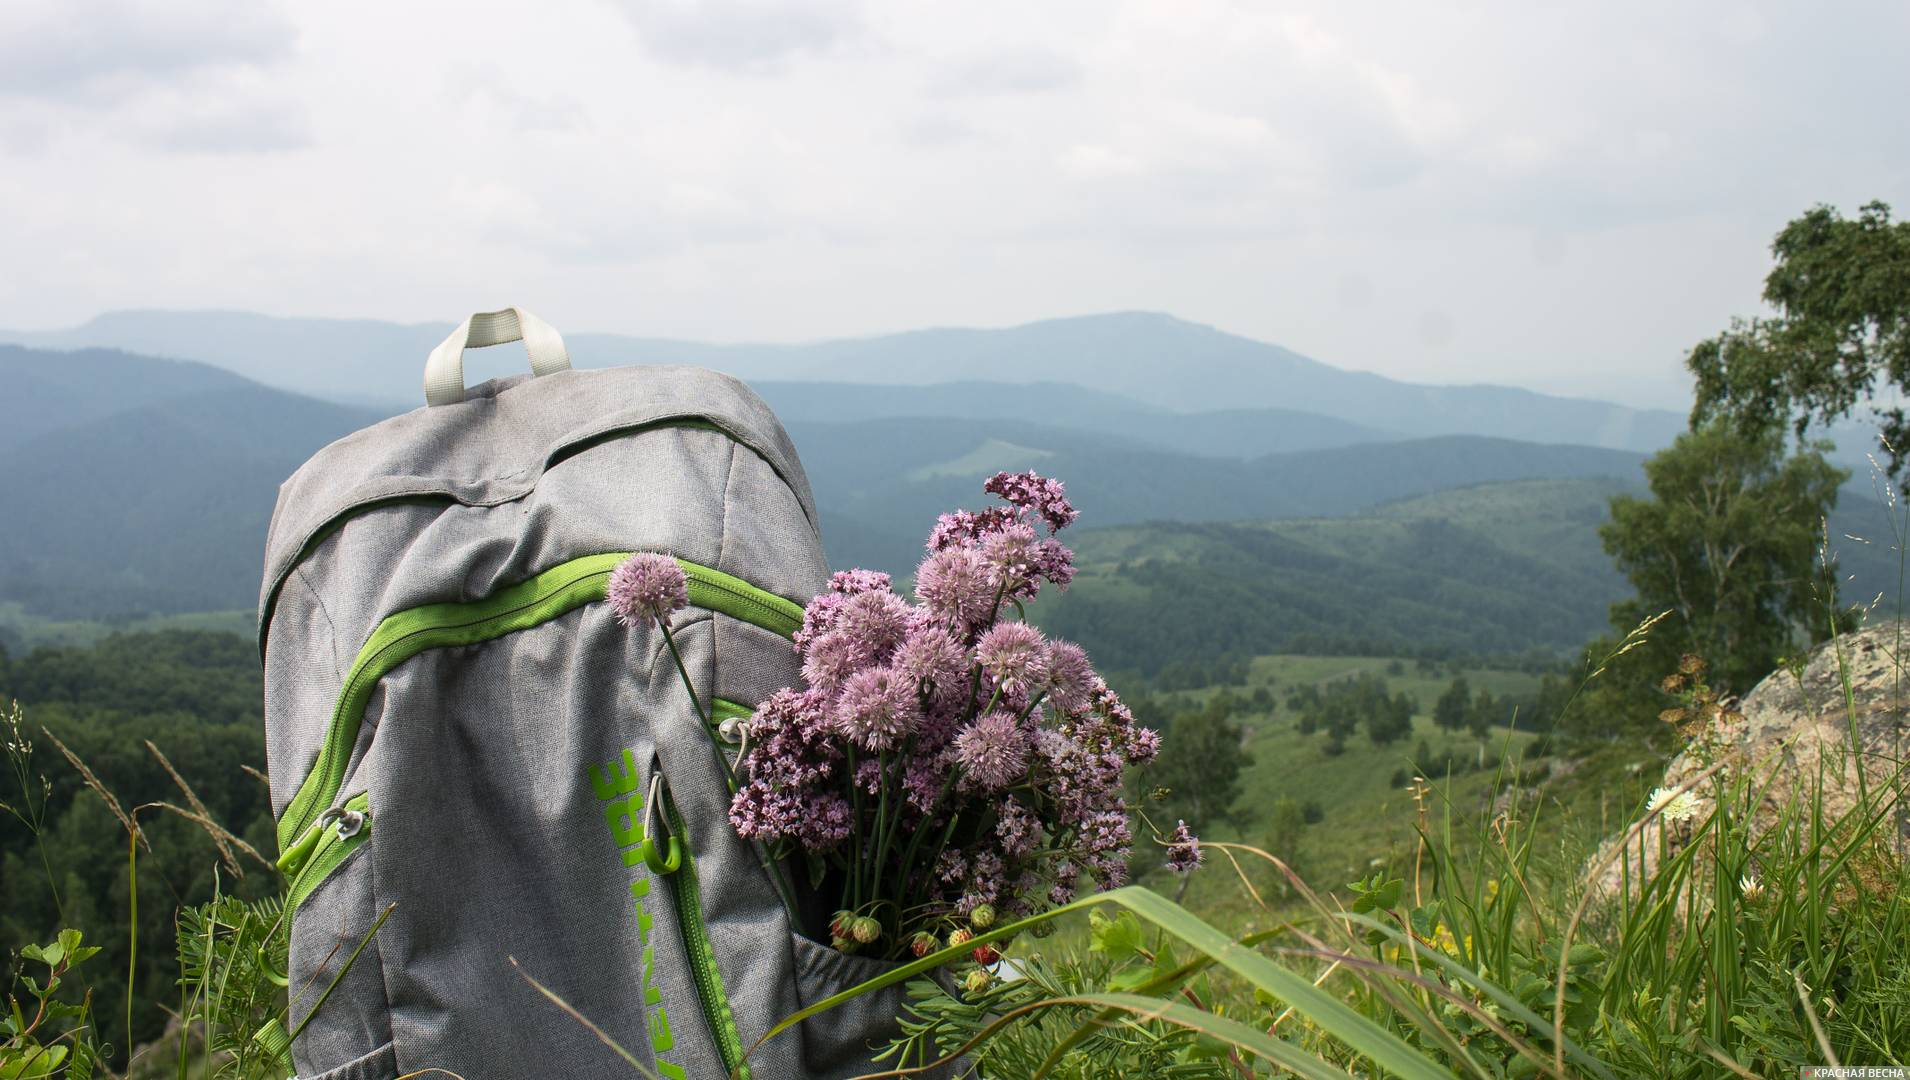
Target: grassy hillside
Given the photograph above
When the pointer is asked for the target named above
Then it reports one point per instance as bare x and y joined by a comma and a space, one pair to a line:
1496, 569
924, 467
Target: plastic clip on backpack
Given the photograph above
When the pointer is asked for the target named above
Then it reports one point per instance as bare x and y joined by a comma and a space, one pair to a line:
465, 744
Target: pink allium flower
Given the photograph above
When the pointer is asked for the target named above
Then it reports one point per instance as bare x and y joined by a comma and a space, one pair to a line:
1070, 677
874, 623
876, 708
954, 584
1035, 493
1183, 850
1009, 555
993, 751
1015, 656
932, 658
646, 587
830, 659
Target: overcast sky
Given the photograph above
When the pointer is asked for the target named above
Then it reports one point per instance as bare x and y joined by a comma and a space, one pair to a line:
1558, 196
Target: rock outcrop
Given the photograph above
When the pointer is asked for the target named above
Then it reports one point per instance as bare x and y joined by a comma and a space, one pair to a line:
1786, 733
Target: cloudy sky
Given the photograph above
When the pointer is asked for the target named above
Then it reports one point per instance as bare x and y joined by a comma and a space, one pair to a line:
1551, 195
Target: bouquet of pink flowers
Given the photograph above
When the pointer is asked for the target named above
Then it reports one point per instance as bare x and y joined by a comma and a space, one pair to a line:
943, 761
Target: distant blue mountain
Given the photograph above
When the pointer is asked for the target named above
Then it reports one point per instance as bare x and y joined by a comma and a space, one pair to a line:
1169, 364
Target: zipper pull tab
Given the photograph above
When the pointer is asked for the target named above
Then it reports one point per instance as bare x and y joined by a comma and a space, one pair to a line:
301, 849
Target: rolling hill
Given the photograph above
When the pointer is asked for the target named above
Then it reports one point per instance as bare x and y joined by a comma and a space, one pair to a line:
161, 505
1171, 364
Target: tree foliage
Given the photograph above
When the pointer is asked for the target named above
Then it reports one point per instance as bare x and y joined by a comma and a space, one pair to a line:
1201, 760
1728, 543
1841, 336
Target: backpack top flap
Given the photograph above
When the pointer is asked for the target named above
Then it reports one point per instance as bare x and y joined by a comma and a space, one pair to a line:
493, 447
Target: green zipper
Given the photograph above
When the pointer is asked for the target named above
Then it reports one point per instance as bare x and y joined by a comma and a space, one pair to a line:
329, 844
540, 599
702, 956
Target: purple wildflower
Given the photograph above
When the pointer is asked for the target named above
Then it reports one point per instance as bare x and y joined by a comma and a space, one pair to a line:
1017, 827
1015, 657
1143, 743
791, 745
645, 588
817, 820
963, 527
818, 618
876, 709
1183, 850
1032, 492
923, 780
1053, 561
1070, 677
950, 866
986, 878
1065, 875
993, 751
932, 659
851, 582
1110, 869
954, 584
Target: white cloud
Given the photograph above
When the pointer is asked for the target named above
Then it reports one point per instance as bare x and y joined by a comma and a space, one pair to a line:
99, 52
184, 76
740, 34
1487, 189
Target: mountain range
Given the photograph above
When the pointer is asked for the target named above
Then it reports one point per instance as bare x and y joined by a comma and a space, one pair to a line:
1167, 363
135, 484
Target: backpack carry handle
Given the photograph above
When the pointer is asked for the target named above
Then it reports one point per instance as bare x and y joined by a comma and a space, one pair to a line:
444, 371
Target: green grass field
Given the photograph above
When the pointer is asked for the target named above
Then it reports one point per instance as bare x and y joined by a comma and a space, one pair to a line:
1368, 819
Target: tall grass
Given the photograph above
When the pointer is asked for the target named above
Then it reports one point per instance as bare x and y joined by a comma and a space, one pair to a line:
1761, 938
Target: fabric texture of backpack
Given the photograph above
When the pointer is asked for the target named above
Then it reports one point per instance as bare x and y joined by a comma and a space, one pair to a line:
470, 756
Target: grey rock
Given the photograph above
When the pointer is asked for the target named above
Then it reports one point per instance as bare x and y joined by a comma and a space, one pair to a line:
1844, 717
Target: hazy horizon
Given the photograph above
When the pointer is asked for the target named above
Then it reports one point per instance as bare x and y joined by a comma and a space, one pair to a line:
1562, 199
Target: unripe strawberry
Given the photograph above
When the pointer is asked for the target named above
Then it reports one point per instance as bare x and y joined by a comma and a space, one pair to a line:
922, 943
977, 980
865, 929
842, 944
983, 916
960, 936
985, 955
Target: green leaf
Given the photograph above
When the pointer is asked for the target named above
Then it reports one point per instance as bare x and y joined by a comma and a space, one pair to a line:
1118, 937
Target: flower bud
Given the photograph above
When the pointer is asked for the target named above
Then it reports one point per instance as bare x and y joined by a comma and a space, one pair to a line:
840, 924
983, 916
865, 929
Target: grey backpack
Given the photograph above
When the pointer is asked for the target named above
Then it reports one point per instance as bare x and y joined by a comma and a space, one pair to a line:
481, 778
